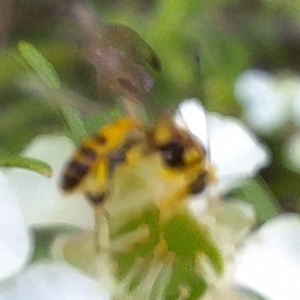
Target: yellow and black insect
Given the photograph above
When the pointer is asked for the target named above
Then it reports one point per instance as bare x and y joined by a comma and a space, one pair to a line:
127, 141
142, 176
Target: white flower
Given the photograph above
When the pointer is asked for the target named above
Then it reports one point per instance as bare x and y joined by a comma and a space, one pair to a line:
37, 281
268, 101
15, 238
53, 281
40, 197
269, 262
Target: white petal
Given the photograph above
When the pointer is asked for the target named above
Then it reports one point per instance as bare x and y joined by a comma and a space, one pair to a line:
55, 281
265, 108
192, 116
41, 199
79, 251
235, 152
270, 261
229, 222
15, 239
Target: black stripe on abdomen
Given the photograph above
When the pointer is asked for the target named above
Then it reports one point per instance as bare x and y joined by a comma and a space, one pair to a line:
74, 174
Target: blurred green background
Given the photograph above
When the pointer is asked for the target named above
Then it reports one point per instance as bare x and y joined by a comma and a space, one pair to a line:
204, 45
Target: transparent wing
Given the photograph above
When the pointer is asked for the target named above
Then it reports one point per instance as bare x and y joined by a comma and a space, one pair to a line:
191, 115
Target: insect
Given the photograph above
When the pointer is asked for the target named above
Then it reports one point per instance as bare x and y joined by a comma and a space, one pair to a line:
172, 144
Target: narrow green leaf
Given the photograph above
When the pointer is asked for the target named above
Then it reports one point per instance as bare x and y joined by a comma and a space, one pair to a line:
31, 164
75, 123
40, 64
258, 194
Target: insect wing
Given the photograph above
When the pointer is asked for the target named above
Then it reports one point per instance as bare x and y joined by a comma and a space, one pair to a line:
191, 116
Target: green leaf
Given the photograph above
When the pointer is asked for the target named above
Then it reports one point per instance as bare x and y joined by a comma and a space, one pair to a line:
75, 123
31, 164
258, 194
40, 64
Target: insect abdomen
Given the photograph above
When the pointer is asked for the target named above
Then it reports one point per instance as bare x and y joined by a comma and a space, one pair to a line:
79, 167
95, 149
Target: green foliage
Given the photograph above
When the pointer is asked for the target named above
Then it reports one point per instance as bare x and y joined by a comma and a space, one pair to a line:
94, 123
75, 123
28, 163
40, 64
259, 195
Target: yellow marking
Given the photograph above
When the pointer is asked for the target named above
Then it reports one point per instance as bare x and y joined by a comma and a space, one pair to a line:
115, 134
162, 135
192, 156
102, 172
